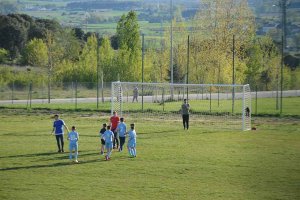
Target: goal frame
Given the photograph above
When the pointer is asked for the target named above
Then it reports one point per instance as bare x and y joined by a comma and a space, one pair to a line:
244, 95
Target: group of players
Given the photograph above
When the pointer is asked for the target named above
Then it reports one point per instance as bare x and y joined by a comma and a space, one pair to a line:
111, 136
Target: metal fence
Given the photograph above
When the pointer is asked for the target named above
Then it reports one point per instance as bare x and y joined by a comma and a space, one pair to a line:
88, 95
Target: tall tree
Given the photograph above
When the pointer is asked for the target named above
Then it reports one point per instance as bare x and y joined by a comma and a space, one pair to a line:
129, 40
35, 53
219, 21
107, 60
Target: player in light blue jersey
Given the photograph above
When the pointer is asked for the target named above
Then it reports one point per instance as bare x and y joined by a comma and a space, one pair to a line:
132, 141
121, 128
73, 137
108, 136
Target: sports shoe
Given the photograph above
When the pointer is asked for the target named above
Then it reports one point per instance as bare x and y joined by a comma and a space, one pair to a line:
101, 152
76, 161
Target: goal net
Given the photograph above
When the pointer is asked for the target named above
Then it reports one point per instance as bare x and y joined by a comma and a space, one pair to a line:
216, 105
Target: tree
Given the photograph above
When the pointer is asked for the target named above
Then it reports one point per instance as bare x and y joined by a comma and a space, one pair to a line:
129, 40
36, 53
87, 64
3, 55
107, 57
13, 33
17, 29
219, 21
270, 63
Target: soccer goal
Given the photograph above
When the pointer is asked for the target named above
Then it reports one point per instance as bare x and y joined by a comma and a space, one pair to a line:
216, 105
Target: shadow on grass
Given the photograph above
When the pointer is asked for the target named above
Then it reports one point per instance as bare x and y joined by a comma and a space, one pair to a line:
45, 154
59, 164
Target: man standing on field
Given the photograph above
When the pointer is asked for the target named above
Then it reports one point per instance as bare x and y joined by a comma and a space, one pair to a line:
114, 121
58, 128
185, 111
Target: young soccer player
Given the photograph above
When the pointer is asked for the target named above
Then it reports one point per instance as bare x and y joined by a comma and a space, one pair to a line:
102, 140
58, 128
131, 141
73, 137
114, 121
108, 136
121, 129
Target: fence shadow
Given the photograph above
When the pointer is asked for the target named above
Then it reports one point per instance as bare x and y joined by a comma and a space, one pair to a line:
36, 154
58, 164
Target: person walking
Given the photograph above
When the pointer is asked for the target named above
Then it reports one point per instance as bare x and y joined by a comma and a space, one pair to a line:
58, 129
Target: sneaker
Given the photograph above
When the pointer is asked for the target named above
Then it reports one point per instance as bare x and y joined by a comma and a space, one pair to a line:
101, 153
106, 157
76, 161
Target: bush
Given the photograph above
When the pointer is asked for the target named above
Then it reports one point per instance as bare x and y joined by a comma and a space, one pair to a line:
3, 55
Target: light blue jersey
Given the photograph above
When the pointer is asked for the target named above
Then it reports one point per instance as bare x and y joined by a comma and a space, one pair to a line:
73, 136
108, 136
121, 129
131, 138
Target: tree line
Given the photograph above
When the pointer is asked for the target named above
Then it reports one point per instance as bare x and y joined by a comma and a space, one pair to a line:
222, 48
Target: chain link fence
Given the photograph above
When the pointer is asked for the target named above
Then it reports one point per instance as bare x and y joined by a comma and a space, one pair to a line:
88, 95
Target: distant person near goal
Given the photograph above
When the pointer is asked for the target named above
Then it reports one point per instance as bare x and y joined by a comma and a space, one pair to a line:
185, 112
135, 94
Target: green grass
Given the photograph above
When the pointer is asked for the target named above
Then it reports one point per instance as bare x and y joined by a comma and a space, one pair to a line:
171, 163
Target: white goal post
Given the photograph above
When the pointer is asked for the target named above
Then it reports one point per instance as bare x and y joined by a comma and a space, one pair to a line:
223, 106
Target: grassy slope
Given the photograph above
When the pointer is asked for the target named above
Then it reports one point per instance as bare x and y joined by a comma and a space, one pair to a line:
171, 163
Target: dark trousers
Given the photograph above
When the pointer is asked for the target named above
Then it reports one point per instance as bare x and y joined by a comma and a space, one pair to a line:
122, 142
60, 142
116, 140
185, 121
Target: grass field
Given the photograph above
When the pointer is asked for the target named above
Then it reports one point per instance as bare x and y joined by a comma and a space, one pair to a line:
171, 163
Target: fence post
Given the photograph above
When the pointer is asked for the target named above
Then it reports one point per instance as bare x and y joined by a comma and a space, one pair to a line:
102, 88
76, 95
210, 99
255, 100
12, 92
